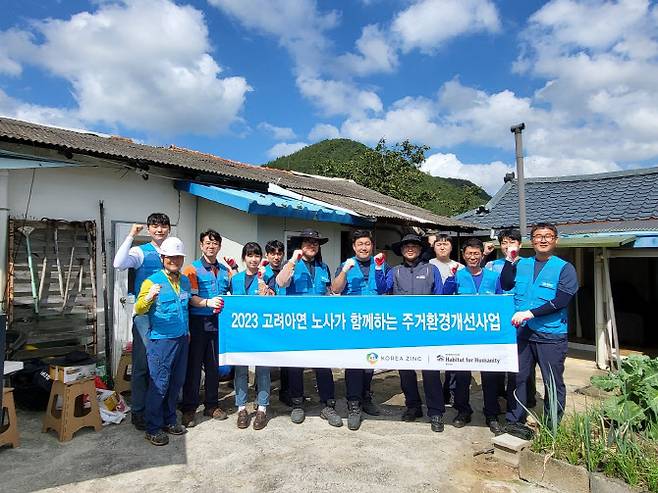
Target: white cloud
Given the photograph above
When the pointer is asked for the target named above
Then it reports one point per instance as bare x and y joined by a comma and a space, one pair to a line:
338, 97
278, 133
284, 149
375, 53
427, 24
143, 64
322, 131
58, 117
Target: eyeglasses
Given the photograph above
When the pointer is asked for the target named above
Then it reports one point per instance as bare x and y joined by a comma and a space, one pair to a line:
549, 237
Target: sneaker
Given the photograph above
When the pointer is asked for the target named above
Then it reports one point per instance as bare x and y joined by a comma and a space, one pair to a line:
260, 421
353, 415
437, 423
215, 413
243, 419
461, 420
297, 414
160, 438
494, 426
411, 413
368, 406
176, 429
329, 413
138, 421
188, 420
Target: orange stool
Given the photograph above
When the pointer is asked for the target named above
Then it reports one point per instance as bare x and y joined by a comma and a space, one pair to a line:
9, 432
72, 417
122, 379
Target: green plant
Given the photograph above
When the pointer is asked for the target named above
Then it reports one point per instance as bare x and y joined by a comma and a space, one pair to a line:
635, 403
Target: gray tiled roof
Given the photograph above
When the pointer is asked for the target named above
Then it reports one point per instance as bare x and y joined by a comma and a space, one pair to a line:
610, 198
344, 193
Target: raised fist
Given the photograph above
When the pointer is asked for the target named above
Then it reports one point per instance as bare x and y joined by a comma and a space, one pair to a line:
512, 254
136, 229
349, 263
296, 256
488, 247
453, 270
380, 258
154, 291
231, 262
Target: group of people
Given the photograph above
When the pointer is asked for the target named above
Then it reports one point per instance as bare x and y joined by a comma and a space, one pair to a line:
175, 324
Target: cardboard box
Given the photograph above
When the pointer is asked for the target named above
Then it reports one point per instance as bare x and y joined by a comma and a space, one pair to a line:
69, 374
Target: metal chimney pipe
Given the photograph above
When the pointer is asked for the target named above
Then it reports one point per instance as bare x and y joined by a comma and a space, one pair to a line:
518, 140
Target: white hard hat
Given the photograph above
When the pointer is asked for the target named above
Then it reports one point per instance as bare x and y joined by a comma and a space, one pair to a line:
172, 247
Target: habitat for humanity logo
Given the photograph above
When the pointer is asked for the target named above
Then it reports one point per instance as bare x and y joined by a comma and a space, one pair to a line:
372, 358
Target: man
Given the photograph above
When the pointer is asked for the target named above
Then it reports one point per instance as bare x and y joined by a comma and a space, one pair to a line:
354, 277
510, 245
209, 281
415, 277
145, 261
442, 248
306, 275
543, 285
164, 297
475, 280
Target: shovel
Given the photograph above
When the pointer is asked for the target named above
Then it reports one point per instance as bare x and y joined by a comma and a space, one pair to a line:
68, 272
26, 230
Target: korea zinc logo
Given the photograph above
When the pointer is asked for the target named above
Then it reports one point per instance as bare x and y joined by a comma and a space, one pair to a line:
372, 358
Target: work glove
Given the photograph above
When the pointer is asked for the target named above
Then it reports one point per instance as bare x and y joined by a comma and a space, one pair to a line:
519, 318
349, 263
154, 291
296, 256
512, 254
380, 258
453, 270
488, 248
217, 303
231, 263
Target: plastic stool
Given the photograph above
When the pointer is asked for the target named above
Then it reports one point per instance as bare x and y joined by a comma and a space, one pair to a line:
122, 379
67, 421
9, 432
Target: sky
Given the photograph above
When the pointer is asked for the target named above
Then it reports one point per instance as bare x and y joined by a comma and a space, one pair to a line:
251, 80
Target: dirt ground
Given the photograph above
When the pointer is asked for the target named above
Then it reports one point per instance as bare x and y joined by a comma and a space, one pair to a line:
385, 455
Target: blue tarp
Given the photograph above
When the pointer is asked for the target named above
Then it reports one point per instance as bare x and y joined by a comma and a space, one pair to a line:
269, 204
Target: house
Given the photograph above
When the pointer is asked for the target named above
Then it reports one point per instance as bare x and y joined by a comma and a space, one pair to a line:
608, 228
62, 191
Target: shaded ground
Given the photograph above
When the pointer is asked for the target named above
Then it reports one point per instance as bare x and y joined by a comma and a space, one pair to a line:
385, 455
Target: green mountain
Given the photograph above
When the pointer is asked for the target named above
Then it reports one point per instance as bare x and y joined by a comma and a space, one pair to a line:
344, 157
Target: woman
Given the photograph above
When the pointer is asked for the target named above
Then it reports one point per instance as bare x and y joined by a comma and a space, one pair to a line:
247, 283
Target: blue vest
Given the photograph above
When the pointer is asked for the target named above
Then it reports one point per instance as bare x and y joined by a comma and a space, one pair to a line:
237, 284
356, 283
497, 266
168, 314
529, 294
209, 286
267, 277
152, 264
466, 283
302, 283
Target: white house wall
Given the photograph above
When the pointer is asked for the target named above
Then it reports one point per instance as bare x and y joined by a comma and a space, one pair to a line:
72, 194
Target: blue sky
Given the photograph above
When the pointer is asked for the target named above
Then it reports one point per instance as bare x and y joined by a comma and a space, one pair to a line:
253, 79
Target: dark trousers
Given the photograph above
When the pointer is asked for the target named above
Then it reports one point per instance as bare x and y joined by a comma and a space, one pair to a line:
432, 387
491, 383
550, 357
283, 381
462, 402
139, 377
449, 384
167, 361
357, 384
324, 378
203, 352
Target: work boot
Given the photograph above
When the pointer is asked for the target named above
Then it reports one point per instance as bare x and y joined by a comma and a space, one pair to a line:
297, 414
519, 430
243, 419
188, 419
461, 420
437, 423
175, 429
494, 426
368, 406
260, 421
215, 412
353, 415
138, 421
329, 413
160, 438
411, 413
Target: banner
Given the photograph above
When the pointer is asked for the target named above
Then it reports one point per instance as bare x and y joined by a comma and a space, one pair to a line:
375, 332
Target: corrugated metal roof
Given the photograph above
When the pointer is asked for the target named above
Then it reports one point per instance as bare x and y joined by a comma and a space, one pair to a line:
334, 191
605, 200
